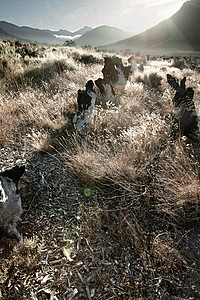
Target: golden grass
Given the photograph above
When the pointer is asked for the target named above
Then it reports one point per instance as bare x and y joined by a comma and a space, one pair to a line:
179, 189
38, 112
145, 181
25, 256
140, 185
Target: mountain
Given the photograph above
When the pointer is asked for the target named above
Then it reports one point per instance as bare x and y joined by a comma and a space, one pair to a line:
46, 36
181, 32
28, 33
5, 35
102, 35
59, 32
82, 30
63, 32
64, 35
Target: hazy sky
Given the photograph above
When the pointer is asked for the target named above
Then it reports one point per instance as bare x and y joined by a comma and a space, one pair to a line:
130, 15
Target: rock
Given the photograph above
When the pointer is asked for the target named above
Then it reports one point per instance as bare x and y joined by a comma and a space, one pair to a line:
186, 119
86, 103
115, 75
10, 200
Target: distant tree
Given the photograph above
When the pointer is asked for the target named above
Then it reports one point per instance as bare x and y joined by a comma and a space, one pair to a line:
70, 43
87, 47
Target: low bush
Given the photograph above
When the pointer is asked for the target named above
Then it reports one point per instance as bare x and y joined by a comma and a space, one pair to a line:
179, 63
5, 68
40, 75
87, 58
152, 80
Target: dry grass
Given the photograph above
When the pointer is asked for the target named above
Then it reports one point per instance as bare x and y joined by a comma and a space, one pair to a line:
26, 256
146, 184
123, 140
178, 175
39, 112
152, 80
141, 188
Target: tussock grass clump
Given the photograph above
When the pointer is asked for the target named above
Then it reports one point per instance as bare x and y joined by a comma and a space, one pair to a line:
7, 121
87, 57
179, 63
167, 254
26, 253
121, 149
44, 74
179, 189
5, 68
25, 256
33, 111
123, 140
152, 80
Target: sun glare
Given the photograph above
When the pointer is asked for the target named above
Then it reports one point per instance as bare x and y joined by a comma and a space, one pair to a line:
170, 10
165, 8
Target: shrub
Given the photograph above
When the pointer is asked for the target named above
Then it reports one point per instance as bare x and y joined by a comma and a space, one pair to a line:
7, 124
87, 47
179, 63
39, 75
70, 43
87, 58
179, 190
3, 48
152, 80
5, 68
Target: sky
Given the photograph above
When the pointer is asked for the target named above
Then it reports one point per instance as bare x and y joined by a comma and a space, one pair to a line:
129, 15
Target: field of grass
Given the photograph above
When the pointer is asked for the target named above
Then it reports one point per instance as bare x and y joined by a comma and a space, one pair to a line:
112, 213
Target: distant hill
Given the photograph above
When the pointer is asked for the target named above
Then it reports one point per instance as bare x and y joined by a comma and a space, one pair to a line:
181, 32
46, 36
82, 30
102, 35
5, 35
27, 33
59, 32
65, 34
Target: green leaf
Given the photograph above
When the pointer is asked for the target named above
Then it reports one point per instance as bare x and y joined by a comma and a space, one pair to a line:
87, 192
67, 252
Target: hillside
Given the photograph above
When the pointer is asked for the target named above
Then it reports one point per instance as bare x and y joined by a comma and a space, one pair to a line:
84, 36
102, 35
46, 36
5, 35
68, 35
82, 30
59, 32
179, 32
28, 33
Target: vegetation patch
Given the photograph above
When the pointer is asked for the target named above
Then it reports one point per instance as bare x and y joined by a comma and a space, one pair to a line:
115, 208
87, 57
152, 80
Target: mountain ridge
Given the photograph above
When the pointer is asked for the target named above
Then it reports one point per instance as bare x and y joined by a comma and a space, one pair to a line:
179, 32
43, 36
63, 32
27, 33
85, 36
101, 35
